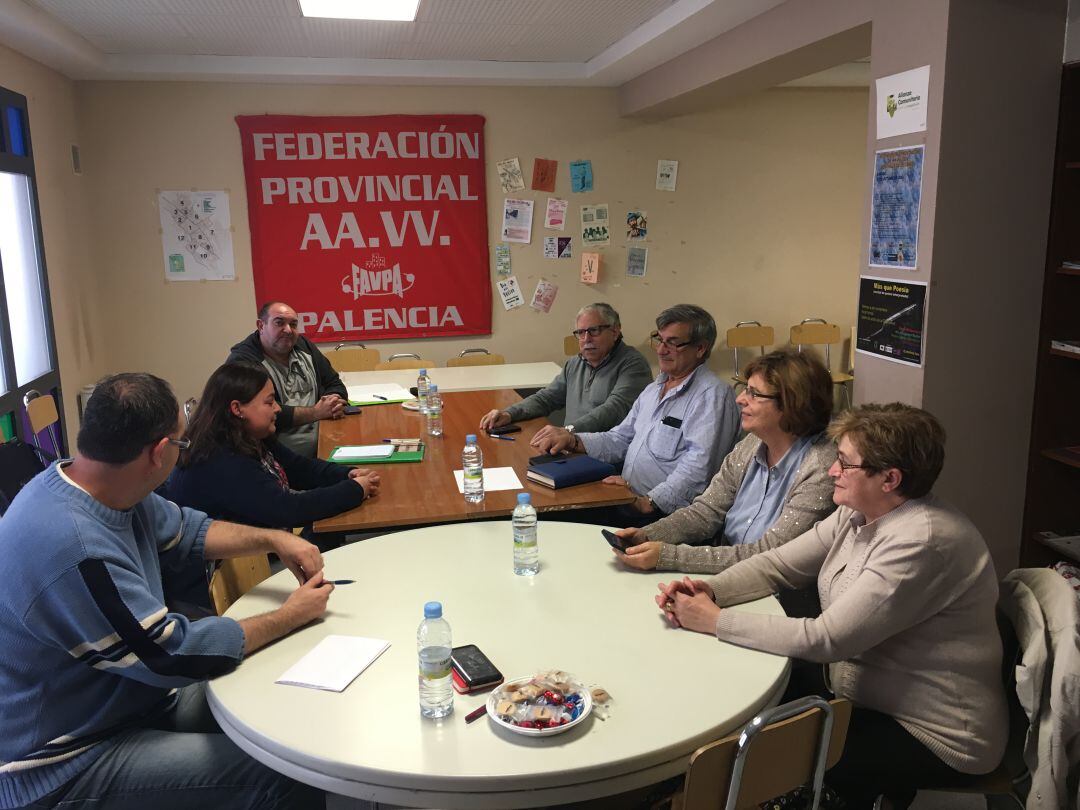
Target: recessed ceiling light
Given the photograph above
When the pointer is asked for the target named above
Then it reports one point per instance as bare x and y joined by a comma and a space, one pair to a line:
404, 10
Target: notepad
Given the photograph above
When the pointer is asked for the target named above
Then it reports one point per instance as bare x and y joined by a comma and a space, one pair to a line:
496, 479
361, 452
378, 394
334, 663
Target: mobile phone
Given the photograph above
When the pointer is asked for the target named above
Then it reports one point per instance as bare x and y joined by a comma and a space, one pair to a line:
472, 670
501, 431
616, 542
352, 410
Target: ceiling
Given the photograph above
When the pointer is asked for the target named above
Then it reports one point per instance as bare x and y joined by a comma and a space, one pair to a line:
566, 42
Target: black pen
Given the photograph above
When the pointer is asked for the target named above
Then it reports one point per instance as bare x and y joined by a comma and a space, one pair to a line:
341, 581
384, 399
502, 438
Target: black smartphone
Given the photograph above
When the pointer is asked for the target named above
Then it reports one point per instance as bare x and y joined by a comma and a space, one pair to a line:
616, 542
414, 391
502, 431
352, 410
472, 669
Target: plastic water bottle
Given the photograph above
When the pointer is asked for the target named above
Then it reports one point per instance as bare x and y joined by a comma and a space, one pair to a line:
472, 469
433, 646
434, 411
423, 384
526, 552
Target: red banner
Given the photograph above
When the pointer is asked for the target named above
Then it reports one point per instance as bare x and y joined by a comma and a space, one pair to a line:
370, 227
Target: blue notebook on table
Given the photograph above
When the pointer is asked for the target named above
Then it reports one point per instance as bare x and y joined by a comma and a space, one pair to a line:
569, 472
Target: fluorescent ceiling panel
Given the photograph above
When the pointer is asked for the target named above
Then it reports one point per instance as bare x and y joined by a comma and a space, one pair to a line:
403, 10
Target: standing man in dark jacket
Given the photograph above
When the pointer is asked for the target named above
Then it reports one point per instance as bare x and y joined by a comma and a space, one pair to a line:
305, 384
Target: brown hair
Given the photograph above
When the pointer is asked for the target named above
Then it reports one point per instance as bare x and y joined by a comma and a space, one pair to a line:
213, 426
896, 436
804, 386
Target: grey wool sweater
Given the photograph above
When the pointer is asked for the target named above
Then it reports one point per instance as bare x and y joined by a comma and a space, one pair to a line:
808, 501
907, 622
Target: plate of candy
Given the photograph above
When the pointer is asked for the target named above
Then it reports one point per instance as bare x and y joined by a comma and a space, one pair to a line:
540, 705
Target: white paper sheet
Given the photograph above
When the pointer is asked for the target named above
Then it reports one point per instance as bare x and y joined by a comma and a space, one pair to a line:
495, 479
334, 662
367, 393
358, 451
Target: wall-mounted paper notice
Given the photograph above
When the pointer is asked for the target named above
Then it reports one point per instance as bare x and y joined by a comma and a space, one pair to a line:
594, 225
517, 220
510, 292
502, 260
557, 247
510, 175
637, 258
196, 235
581, 176
555, 217
901, 101
544, 174
334, 662
637, 226
667, 173
590, 268
544, 295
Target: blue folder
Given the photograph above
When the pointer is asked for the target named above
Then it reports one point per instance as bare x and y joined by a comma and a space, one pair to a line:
569, 472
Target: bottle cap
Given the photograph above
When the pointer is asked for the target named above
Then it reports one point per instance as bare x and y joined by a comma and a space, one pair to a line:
470, 438
524, 497
433, 610
433, 388
423, 371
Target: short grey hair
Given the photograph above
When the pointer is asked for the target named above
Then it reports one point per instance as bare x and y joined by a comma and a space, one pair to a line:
605, 311
701, 323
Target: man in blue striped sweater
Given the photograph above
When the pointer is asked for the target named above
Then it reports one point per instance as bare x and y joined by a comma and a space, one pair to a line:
101, 701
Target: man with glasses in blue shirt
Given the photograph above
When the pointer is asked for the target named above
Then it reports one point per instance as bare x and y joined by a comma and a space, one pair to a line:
677, 432
597, 387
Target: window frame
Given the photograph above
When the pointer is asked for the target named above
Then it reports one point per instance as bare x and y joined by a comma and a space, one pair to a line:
12, 401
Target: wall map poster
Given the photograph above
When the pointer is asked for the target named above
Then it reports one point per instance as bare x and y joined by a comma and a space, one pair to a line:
891, 319
370, 226
894, 215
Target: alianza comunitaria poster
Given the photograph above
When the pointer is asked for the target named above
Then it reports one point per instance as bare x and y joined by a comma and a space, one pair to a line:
370, 226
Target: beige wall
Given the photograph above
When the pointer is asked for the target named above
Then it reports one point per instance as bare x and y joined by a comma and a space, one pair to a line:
765, 223
80, 329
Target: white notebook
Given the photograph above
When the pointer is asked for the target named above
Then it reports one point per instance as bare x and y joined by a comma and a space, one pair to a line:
358, 452
334, 662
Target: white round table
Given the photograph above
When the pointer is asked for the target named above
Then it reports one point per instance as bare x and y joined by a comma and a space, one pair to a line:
673, 690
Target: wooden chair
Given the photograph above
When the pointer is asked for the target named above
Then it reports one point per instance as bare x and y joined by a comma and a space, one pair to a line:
476, 357
744, 335
41, 410
406, 360
236, 576
353, 358
793, 744
819, 332
570, 345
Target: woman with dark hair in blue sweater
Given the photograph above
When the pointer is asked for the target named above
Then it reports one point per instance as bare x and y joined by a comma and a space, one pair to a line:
235, 470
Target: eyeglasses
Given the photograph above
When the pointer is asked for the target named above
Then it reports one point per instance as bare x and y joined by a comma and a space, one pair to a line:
844, 466
591, 331
655, 341
753, 393
183, 444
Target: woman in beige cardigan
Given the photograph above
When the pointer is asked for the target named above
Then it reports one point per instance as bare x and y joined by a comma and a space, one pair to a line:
907, 628
771, 487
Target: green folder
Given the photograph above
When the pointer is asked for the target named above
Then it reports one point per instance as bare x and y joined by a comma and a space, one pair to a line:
397, 457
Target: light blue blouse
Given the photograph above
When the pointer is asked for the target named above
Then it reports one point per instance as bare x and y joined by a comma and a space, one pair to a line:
760, 498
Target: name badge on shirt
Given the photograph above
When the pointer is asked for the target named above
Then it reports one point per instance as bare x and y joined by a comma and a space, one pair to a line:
671, 421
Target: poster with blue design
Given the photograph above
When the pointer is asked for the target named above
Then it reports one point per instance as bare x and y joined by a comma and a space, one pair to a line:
894, 215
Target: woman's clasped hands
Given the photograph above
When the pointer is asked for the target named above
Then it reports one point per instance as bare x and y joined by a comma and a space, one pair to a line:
688, 603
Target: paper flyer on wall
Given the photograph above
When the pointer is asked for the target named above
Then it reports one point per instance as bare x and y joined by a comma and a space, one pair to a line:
667, 173
510, 175
894, 212
196, 235
594, 225
637, 226
502, 260
637, 258
510, 292
902, 102
581, 179
557, 247
555, 215
590, 268
890, 323
544, 295
544, 171
517, 220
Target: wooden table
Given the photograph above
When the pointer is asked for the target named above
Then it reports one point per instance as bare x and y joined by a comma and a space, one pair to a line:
463, 378
412, 494
673, 690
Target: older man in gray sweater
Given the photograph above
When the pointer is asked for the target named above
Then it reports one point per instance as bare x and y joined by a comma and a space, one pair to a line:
597, 387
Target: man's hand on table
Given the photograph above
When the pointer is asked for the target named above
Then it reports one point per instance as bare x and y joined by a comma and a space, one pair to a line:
367, 479
308, 602
493, 419
554, 440
330, 406
299, 556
